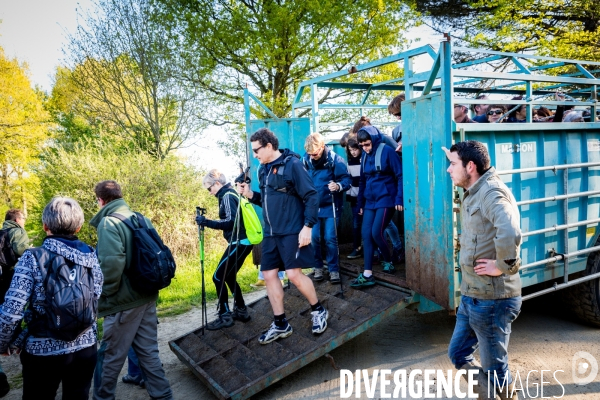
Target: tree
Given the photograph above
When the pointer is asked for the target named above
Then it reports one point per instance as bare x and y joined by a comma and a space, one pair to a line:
126, 68
560, 28
273, 45
24, 128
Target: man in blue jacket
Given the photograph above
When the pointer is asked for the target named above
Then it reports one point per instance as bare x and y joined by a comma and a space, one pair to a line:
290, 207
330, 176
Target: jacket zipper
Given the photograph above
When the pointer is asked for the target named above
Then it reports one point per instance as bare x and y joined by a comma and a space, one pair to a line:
266, 207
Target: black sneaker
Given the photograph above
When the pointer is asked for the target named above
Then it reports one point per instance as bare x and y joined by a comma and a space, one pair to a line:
356, 253
240, 314
224, 321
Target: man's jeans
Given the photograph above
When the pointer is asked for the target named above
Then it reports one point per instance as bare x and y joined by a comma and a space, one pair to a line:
484, 324
330, 241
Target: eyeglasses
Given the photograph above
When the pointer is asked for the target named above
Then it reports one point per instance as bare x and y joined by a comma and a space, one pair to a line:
497, 112
365, 144
257, 149
398, 115
210, 187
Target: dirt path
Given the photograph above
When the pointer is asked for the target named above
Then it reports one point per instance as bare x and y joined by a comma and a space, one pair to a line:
543, 338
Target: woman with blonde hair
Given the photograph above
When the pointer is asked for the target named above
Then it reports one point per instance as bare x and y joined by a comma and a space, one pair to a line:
231, 223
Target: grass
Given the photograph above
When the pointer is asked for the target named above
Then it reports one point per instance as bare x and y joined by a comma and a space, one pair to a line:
185, 290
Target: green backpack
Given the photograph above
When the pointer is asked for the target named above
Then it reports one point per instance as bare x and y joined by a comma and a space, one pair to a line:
252, 225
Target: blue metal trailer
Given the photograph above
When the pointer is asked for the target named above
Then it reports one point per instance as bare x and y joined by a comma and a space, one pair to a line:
553, 170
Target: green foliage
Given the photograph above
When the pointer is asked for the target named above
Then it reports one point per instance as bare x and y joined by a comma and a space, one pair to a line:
559, 28
271, 46
166, 192
124, 81
24, 127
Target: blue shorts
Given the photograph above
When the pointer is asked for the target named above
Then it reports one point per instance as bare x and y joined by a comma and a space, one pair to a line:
282, 252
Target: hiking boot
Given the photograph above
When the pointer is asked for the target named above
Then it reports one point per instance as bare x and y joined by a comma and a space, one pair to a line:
223, 321
240, 314
356, 253
388, 268
133, 380
334, 277
319, 320
274, 333
318, 274
362, 281
259, 284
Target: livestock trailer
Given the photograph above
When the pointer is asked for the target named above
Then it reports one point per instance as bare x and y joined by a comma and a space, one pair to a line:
553, 170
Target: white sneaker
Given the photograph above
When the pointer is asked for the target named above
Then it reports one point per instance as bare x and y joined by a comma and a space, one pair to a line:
274, 333
319, 319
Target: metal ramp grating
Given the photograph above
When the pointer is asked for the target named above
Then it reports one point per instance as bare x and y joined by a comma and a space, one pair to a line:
234, 365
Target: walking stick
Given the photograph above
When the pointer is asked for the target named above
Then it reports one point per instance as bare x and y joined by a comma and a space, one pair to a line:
338, 244
202, 211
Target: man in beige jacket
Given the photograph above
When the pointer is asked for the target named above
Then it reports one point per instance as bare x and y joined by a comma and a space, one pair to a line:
490, 243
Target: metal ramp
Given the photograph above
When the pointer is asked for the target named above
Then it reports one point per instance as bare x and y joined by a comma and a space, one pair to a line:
234, 365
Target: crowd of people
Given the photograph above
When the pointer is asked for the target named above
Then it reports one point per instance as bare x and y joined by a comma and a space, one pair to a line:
302, 200
501, 113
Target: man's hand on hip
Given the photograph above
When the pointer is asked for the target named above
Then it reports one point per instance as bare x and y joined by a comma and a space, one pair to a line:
487, 267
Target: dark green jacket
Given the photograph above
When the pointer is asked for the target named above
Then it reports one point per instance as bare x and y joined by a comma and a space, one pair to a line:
115, 249
17, 236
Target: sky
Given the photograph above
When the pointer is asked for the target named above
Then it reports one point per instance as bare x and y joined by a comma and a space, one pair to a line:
34, 31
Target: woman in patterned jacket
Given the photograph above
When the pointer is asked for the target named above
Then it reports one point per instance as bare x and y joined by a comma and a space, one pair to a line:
47, 360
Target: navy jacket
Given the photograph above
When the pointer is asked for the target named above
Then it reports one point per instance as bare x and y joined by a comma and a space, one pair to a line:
331, 167
287, 196
228, 209
384, 189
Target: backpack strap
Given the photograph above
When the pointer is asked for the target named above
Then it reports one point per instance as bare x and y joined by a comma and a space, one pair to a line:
125, 220
378, 156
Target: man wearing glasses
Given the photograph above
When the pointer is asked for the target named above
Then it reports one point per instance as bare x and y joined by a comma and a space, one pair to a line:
461, 114
290, 207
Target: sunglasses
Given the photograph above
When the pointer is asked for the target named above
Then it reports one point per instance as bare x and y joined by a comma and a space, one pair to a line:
398, 115
365, 144
497, 112
257, 149
210, 187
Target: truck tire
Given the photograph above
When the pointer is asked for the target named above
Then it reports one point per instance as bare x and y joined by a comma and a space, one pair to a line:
584, 299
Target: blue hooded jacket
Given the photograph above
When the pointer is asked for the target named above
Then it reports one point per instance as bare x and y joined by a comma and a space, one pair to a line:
331, 167
384, 189
287, 196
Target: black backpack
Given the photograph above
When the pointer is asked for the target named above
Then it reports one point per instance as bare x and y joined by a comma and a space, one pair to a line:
70, 305
152, 264
8, 258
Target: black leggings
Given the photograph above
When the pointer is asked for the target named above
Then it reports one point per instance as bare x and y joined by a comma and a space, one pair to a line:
43, 374
230, 264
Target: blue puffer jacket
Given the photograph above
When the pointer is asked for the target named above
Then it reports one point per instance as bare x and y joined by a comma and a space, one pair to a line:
384, 189
287, 196
331, 167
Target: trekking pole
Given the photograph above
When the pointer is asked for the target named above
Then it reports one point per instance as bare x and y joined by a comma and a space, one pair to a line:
201, 211
338, 244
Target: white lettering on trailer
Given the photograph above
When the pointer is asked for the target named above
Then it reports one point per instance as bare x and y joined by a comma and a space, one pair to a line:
593, 145
518, 147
